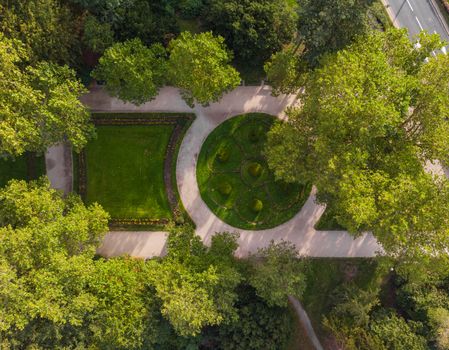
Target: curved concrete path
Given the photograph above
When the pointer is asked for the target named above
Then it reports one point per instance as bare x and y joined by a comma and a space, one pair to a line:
299, 230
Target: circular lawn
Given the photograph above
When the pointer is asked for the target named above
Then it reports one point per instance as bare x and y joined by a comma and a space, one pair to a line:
234, 178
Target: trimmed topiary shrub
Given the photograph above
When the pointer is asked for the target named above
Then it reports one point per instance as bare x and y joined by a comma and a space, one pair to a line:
225, 188
223, 155
255, 169
257, 205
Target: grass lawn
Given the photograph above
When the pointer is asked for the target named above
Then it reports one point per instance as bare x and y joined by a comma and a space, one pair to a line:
324, 275
125, 171
26, 167
234, 179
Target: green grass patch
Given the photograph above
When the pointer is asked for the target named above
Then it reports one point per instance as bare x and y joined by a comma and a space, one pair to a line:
26, 167
125, 171
234, 178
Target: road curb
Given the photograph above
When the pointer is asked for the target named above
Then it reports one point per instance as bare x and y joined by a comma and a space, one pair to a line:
392, 17
440, 16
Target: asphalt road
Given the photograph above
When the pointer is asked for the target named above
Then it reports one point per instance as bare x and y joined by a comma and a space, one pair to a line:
418, 15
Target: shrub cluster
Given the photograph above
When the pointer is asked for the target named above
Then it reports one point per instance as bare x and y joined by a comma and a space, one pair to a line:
257, 205
223, 155
225, 188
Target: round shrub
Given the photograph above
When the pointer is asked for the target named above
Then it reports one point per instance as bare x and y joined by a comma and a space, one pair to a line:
257, 205
255, 169
223, 155
225, 188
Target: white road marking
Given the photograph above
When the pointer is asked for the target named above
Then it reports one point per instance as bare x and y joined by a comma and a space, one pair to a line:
444, 50
410, 5
419, 23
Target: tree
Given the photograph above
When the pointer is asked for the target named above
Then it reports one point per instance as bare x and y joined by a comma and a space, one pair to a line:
439, 319
150, 21
328, 27
285, 71
97, 36
47, 245
125, 316
193, 291
372, 116
259, 326
40, 105
278, 273
132, 72
199, 66
47, 28
254, 29
396, 333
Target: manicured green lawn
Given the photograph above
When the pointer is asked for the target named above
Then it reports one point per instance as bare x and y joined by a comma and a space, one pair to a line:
26, 167
234, 179
125, 171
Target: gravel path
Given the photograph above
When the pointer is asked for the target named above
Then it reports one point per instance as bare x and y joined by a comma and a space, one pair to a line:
299, 230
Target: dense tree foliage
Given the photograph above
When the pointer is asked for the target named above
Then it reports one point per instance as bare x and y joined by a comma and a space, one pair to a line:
254, 29
150, 21
199, 66
132, 71
329, 26
197, 285
97, 36
259, 326
56, 294
40, 105
47, 246
372, 116
278, 273
49, 30
285, 71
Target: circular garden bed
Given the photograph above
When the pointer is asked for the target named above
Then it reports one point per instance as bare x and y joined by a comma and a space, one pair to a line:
234, 178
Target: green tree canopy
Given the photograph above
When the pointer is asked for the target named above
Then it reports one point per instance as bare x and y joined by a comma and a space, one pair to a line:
46, 248
97, 36
39, 105
132, 72
48, 29
254, 29
285, 71
259, 326
150, 21
329, 26
278, 273
199, 66
196, 291
373, 115
125, 316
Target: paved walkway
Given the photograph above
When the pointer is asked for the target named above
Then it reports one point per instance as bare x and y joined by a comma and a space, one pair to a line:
305, 321
58, 163
299, 230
